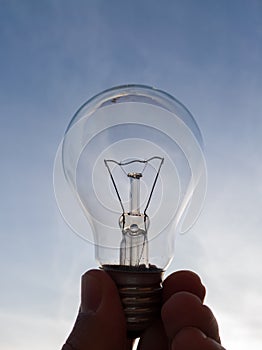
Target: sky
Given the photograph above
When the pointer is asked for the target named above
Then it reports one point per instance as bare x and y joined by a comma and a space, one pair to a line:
54, 56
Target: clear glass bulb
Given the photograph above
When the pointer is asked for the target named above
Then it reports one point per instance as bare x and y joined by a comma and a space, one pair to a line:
131, 166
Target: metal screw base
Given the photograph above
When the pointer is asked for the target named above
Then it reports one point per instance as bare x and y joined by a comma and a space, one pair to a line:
140, 292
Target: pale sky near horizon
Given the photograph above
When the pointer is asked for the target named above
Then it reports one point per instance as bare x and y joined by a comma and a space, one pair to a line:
55, 55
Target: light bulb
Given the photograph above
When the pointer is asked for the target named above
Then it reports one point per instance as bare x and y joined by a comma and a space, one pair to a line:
131, 167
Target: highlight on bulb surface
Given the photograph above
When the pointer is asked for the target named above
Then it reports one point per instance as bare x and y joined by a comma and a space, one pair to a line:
131, 168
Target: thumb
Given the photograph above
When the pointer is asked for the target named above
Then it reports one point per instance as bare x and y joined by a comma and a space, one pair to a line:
100, 324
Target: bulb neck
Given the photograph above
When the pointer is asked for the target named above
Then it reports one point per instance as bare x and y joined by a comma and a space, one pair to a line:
140, 290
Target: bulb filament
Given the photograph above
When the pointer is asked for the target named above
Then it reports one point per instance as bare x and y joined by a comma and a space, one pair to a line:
134, 224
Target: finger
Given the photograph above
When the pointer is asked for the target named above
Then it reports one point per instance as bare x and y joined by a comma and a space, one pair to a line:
193, 339
185, 309
154, 338
180, 281
100, 316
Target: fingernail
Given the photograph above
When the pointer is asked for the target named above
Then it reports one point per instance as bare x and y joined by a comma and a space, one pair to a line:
91, 293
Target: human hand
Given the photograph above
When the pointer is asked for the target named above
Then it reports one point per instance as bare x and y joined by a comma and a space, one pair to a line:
186, 323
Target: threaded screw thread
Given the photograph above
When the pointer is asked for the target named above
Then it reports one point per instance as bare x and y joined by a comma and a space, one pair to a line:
140, 291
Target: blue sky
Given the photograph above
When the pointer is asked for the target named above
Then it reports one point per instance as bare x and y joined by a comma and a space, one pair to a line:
57, 54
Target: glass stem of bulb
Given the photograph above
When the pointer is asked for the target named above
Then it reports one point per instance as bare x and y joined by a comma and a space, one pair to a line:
134, 246
134, 193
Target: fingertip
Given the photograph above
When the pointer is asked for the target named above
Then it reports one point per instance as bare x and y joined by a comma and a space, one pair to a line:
102, 310
183, 280
184, 310
181, 310
193, 338
96, 273
91, 293
188, 337
103, 279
